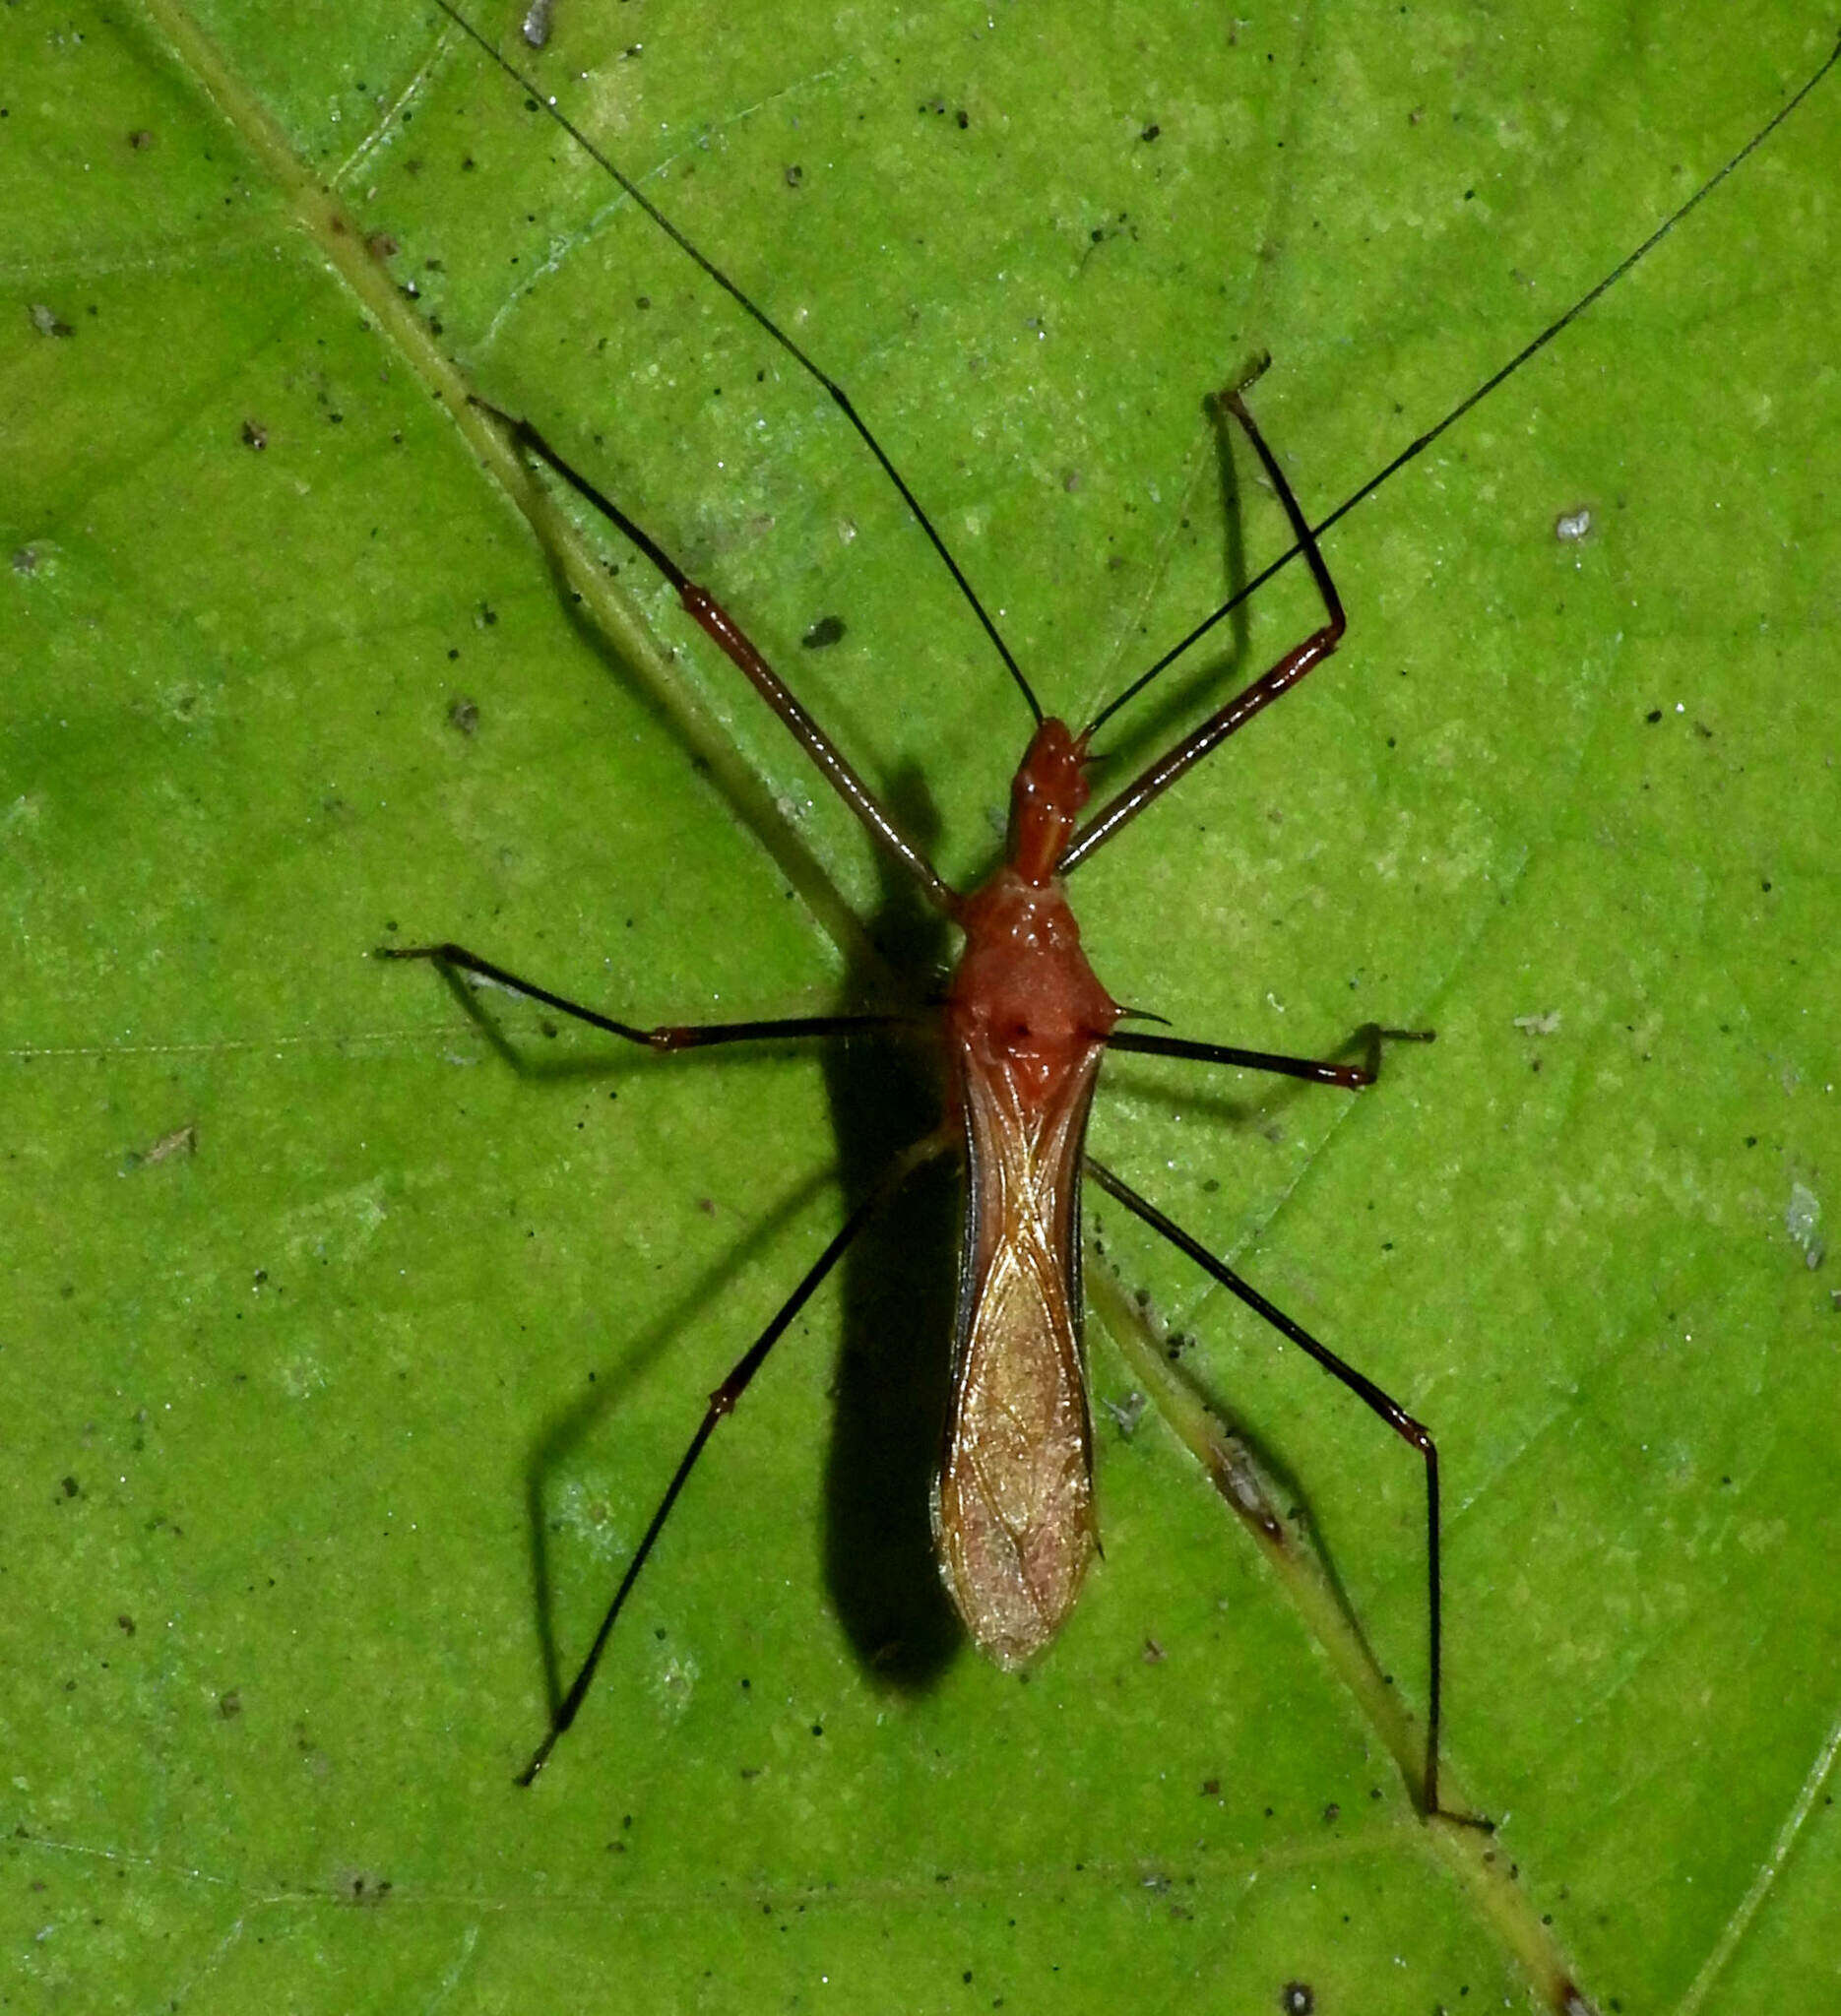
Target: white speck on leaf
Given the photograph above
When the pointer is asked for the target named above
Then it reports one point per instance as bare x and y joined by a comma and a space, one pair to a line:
1801, 1214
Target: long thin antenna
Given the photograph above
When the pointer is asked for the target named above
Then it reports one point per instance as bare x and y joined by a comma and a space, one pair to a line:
1417, 447
543, 102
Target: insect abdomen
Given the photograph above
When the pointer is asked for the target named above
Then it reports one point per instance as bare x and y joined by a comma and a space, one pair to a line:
1013, 1506
1013, 1509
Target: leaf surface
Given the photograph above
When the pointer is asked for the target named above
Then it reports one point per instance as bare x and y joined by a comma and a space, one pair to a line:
347, 1354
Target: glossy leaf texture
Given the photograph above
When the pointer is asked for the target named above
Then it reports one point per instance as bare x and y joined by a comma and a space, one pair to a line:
350, 1336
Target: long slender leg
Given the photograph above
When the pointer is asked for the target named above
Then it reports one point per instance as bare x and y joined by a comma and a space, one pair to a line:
1317, 1070
1364, 1388
666, 1036
723, 1401
839, 397
729, 636
1153, 782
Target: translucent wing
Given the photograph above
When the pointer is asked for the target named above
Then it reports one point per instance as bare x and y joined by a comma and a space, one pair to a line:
1013, 1507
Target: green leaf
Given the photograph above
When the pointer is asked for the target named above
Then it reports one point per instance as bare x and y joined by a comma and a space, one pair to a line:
348, 1349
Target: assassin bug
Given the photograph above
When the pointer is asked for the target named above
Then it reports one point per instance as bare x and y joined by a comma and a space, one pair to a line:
1025, 1024
1023, 1027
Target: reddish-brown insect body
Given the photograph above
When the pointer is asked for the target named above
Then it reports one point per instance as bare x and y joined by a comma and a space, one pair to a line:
1024, 1026
1027, 1024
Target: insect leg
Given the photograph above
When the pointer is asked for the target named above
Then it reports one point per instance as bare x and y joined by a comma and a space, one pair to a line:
1153, 782
729, 636
666, 1036
723, 1401
541, 100
1319, 1071
1364, 1388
